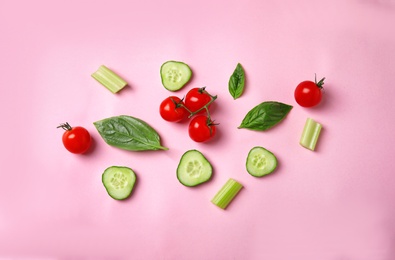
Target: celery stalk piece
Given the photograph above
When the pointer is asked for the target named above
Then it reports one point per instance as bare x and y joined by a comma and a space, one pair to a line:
109, 79
310, 134
226, 194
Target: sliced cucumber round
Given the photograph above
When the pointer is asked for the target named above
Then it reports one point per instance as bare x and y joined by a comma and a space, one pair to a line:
193, 169
119, 181
175, 75
260, 162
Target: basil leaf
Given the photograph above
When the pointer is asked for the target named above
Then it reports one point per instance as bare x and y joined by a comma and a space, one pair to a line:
129, 133
265, 115
237, 81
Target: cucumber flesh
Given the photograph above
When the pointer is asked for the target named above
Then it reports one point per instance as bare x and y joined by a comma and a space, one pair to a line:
193, 169
119, 181
260, 162
175, 75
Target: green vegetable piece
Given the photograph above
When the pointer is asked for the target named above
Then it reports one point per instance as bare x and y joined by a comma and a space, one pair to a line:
175, 75
310, 134
129, 133
227, 193
260, 162
119, 181
109, 79
193, 169
265, 116
237, 82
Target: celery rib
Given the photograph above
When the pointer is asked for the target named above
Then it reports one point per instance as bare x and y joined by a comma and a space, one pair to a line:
310, 135
227, 193
109, 79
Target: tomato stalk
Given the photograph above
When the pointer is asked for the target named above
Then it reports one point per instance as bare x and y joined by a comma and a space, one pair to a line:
66, 126
181, 104
319, 83
213, 98
210, 122
203, 90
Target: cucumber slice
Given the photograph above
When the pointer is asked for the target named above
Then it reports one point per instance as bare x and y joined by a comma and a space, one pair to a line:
193, 169
119, 181
175, 75
260, 162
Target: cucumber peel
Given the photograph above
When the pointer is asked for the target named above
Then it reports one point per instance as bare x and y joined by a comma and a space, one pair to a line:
193, 169
260, 162
175, 74
119, 181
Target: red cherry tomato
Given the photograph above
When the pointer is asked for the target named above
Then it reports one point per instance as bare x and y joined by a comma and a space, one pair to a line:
308, 93
75, 139
197, 98
171, 109
201, 128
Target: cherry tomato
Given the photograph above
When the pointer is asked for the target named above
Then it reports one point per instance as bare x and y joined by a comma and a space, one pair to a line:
75, 139
171, 109
308, 93
197, 98
201, 128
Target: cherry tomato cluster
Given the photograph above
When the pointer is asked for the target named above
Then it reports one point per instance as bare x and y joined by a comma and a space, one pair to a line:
195, 105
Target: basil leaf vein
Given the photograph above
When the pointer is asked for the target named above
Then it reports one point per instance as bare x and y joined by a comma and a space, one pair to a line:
129, 133
237, 82
265, 115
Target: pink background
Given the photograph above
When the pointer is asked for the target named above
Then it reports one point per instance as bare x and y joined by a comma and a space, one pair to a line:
335, 203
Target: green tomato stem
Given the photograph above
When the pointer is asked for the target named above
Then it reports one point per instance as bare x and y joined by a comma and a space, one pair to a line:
66, 126
319, 83
213, 98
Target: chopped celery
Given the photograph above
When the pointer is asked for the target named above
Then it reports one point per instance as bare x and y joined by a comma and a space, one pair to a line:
226, 194
109, 79
310, 134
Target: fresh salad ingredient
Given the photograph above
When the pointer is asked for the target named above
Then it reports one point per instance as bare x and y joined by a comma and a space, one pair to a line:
175, 75
109, 79
311, 132
197, 101
75, 139
309, 93
227, 193
198, 98
172, 109
237, 82
119, 181
265, 116
260, 162
193, 169
129, 133
201, 128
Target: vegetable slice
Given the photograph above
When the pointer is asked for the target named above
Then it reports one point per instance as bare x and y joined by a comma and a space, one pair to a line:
175, 75
236, 82
311, 132
193, 169
119, 181
260, 162
129, 133
265, 115
227, 193
109, 79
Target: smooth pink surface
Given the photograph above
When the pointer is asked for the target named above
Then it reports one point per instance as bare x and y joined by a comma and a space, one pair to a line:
334, 203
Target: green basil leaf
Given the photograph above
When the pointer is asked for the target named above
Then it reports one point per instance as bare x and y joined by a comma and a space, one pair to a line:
129, 133
265, 115
237, 81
